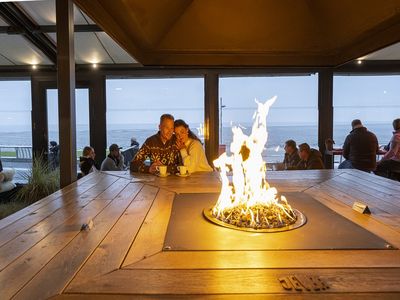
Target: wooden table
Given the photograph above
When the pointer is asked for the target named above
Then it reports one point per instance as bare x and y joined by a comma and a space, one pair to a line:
43, 252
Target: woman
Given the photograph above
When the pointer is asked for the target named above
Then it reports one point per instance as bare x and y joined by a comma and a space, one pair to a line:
86, 161
192, 152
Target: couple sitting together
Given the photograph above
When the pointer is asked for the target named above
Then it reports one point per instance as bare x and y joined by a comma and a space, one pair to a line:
174, 145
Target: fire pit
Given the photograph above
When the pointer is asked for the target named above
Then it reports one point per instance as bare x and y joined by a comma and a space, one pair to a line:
246, 201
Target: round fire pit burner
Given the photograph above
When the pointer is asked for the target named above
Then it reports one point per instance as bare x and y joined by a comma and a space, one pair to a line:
300, 221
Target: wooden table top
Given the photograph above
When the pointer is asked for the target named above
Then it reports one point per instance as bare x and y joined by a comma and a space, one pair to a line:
44, 253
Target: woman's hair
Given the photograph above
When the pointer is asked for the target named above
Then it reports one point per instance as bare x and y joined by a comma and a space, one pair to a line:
182, 123
86, 151
396, 124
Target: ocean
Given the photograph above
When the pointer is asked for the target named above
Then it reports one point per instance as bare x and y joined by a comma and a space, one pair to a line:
121, 135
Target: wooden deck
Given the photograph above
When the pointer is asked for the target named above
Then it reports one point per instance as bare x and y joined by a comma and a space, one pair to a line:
43, 252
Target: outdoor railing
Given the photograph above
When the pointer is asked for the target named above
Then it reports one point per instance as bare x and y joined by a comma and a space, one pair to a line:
11, 153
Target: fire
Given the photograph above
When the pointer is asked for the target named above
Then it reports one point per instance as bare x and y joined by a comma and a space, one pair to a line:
248, 200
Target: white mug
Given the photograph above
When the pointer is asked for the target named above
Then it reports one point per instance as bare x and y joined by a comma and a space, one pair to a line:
162, 170
182, 170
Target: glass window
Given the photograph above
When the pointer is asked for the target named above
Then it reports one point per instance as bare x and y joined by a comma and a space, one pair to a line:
15, 125
294, 115
134, 106
82, 120
375, 100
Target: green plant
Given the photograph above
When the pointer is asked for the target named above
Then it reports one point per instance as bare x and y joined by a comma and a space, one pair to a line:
42, 181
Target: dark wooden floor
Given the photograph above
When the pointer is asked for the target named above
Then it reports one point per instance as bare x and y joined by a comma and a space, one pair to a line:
43, 252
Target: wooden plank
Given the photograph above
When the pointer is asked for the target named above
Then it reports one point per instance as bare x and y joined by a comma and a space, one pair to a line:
23, 269
365, 221
293, 296
187, 282
49, 280
15, 229
270, 259
107, 257
372, 187
27, 239
114, 189
367, 177
348, 198
38, 204
372, 197
150, 238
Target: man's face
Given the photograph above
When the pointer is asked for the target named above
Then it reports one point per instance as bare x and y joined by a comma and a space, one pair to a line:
166, 129
115, 153
303, 154
288, 149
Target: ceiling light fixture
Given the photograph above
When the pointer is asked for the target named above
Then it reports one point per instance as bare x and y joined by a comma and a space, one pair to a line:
94, 66
34, 67
359, 61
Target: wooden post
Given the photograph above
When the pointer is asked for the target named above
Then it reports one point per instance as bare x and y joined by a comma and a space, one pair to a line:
211, 134
66, 91
39, 119
97, 116
325, 112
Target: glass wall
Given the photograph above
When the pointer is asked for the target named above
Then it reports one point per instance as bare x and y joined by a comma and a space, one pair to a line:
293, 116
134, 106
82, 119
375, 100
15, 125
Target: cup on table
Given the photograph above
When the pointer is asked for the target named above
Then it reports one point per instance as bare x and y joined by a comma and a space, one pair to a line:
162, 170
182, 170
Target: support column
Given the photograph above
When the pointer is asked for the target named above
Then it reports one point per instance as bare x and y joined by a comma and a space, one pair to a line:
66, 90
97, 117
325, 113
39, 120
211, 125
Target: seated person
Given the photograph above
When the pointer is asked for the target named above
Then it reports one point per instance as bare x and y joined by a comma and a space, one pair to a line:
86, 161
130, 152
311, 159
360, 148
160, 149
191, 149
292, 157
391, 160
134, 142
114, 160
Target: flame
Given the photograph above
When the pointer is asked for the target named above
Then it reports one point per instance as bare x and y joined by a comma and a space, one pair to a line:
249, 201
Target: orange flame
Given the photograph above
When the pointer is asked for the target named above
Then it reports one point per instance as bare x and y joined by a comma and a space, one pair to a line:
249, 190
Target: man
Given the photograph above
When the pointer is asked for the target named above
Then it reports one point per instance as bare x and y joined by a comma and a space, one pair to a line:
311, 159
292, 157
391, 160
114, 161
360, 148
160, 148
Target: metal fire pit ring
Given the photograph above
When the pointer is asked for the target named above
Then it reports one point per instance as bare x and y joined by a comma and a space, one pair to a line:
301, 220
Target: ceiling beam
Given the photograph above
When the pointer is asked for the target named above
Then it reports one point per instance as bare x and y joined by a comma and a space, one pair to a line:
383, 35
18, 19
50, 29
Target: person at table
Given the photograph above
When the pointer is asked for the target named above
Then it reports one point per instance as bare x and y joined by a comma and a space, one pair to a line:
360, 148
191, 149
292, 157
160, 149
86, 161
114, 160
311, 159
391, 160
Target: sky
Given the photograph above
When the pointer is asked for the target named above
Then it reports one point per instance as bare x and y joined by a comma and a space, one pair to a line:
130, 102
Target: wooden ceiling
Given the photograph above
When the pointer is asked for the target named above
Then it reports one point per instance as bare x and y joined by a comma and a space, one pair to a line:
247, 32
